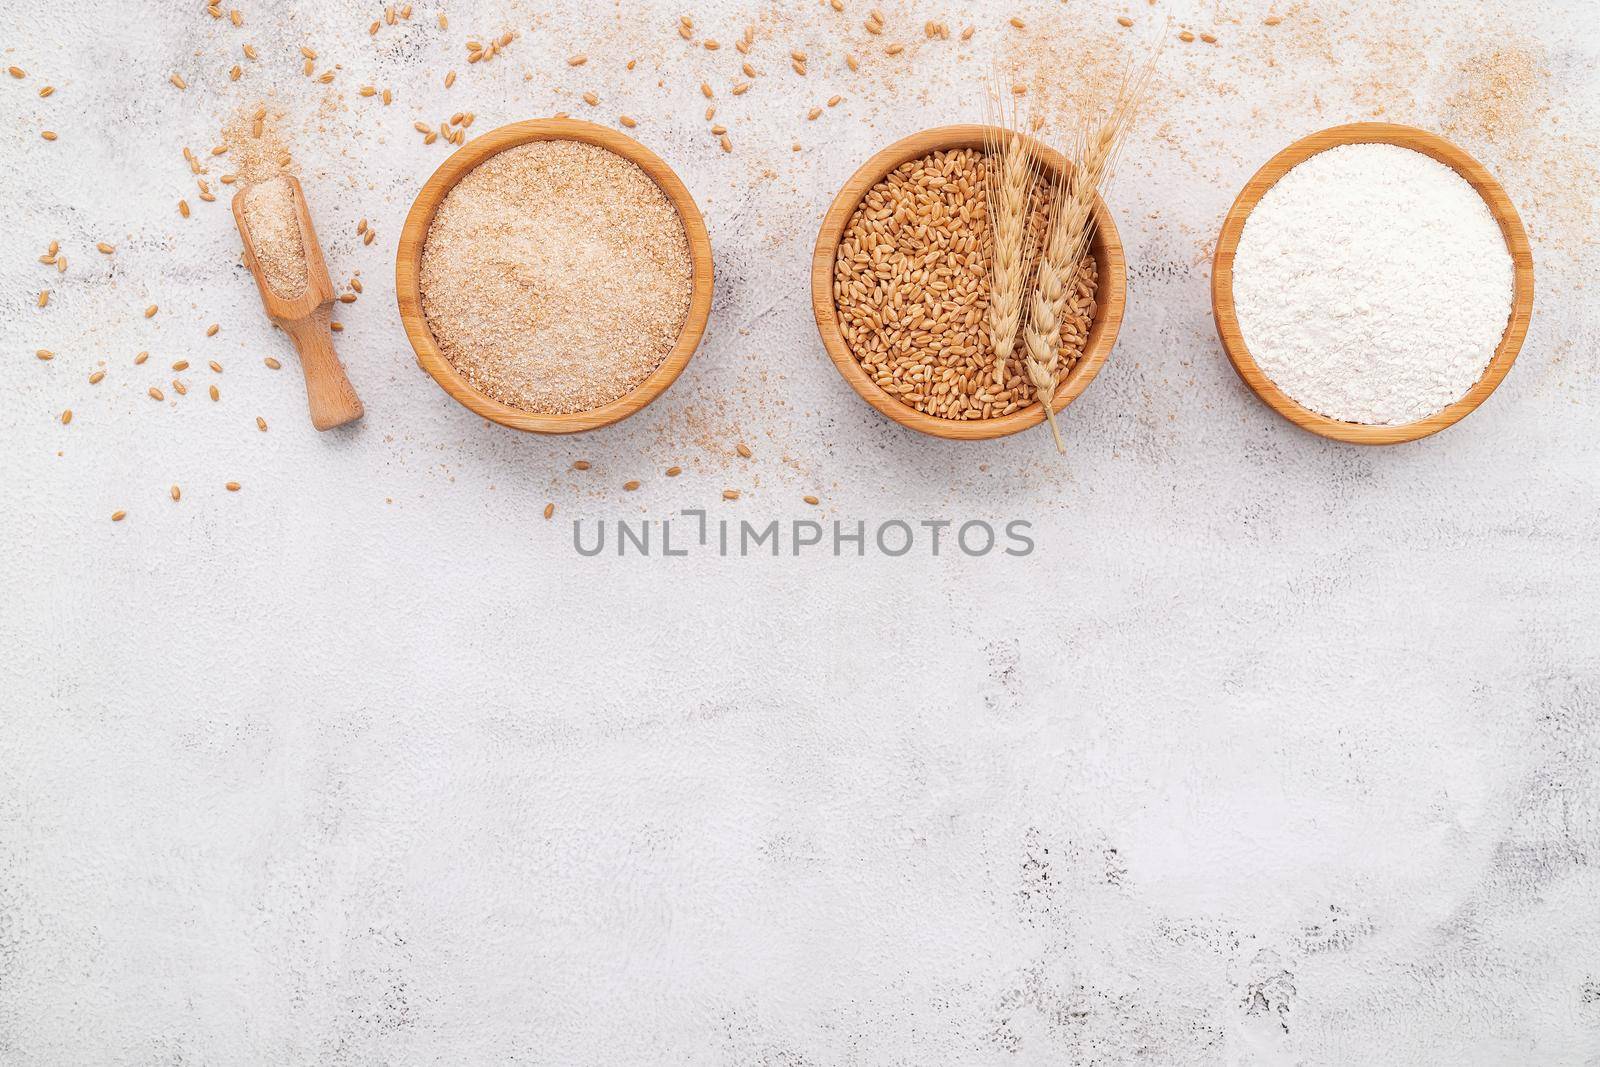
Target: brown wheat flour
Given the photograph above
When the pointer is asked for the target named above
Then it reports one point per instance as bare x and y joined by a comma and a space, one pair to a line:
269, 212
556, 277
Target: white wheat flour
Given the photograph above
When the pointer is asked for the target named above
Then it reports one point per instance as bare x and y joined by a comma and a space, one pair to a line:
1372, 284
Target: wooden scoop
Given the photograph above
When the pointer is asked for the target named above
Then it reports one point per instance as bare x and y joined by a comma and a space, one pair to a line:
305, 318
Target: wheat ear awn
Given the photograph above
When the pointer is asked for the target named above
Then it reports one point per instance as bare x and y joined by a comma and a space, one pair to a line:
1092, 156
1011, 168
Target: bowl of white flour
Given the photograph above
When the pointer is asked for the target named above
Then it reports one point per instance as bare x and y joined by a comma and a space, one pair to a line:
1372, 283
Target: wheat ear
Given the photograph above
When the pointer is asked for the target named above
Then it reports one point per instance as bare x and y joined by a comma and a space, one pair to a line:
1011, 169
1092, 157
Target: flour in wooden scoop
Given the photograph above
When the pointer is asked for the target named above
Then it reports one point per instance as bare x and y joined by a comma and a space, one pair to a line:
269, 212
556, 277
259, 158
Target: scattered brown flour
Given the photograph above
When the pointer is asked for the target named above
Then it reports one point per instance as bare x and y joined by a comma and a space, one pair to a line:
274, 224
256, 149
556, 277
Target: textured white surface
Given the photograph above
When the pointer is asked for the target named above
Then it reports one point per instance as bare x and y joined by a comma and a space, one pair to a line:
1372, 284
1276, 750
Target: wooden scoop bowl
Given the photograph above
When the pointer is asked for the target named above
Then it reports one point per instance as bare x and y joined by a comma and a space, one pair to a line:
305, 319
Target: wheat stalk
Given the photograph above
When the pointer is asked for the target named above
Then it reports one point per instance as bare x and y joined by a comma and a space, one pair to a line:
1092, 157
1011, 170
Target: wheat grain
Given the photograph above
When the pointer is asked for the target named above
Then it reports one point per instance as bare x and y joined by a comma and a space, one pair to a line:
911, 285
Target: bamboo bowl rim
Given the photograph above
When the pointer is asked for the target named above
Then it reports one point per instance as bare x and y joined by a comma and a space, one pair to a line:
1494, 197
408, 271
1110, 292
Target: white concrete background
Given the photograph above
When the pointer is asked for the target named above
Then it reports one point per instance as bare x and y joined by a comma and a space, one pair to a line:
1276, 750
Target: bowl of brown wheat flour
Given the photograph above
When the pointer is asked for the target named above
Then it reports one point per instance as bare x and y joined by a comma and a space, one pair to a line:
554, 276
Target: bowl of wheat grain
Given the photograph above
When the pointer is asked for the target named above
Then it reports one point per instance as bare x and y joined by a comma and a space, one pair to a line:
902, 280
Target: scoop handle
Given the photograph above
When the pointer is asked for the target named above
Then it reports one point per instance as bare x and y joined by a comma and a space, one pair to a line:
332, 398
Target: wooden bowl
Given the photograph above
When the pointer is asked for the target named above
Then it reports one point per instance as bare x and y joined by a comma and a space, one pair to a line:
1110, 293
1428, 144
408, 271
